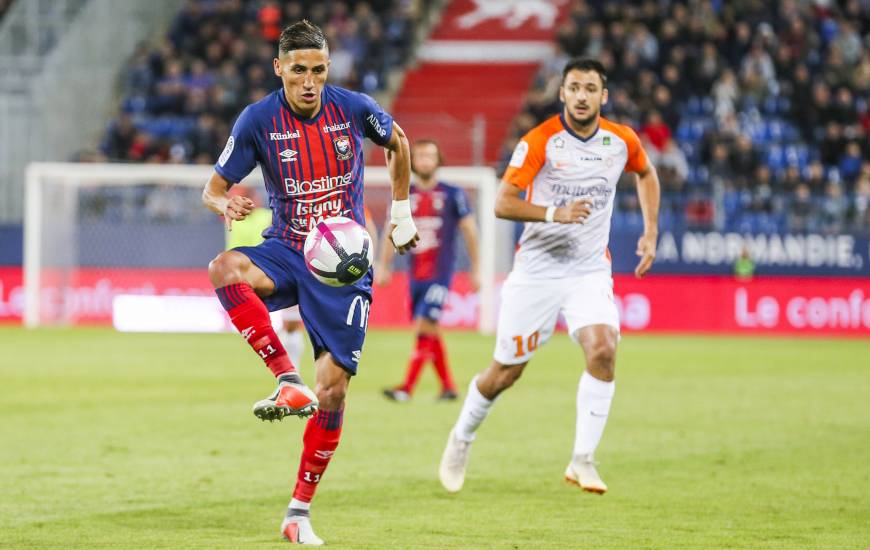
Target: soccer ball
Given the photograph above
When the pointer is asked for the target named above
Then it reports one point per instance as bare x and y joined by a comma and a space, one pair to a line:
338, 251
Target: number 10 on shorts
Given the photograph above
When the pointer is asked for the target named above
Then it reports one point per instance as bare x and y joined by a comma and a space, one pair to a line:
531, 344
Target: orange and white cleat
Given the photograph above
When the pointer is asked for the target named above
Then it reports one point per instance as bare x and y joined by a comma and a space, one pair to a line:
582, 473
291, 398
298, 530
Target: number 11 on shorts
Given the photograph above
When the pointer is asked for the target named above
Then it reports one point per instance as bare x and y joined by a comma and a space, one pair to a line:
531, 344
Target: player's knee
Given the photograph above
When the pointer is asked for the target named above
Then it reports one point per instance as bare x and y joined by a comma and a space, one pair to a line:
498, 378
601, 360
224, 270
509, 375
331, 397
427, 326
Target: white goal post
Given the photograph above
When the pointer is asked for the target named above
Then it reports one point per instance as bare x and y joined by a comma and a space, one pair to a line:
53, 217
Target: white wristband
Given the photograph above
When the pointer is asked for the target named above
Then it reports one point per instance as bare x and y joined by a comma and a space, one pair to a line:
550, 215
400, 216
399, 210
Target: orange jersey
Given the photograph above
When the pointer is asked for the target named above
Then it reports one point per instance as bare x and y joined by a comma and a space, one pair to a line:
555, 167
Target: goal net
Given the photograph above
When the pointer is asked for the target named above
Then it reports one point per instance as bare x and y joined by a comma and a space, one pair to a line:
96, 234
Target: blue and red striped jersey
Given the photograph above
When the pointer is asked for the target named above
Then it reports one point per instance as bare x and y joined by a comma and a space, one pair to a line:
437, 212
313, 168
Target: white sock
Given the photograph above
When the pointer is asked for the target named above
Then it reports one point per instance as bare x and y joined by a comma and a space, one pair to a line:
299, 505
593, 405
294, 343
474, 411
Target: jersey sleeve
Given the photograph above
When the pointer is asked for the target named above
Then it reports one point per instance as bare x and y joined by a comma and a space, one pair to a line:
239, 156
377, 123
527, 160
637, 159
460, 200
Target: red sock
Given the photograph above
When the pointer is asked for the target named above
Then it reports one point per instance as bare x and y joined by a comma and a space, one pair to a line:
440, 360
249, 314
422, 351
319, 443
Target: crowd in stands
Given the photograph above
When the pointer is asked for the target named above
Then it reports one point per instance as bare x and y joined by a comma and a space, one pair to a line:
754, 112
182, 94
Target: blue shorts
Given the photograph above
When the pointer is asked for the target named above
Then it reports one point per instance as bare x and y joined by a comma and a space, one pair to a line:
336, 318
428, 298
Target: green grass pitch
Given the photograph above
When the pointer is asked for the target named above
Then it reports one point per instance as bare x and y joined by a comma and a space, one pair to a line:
147, 441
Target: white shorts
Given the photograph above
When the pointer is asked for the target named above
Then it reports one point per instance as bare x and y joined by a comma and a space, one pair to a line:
531, 307
284, 315
291, 314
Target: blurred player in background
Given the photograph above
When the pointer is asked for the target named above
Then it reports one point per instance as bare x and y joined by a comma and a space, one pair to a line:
568, 167
438, 209
307, 137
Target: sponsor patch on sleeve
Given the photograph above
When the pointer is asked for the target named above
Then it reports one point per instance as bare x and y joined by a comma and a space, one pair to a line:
228, 150
519, 156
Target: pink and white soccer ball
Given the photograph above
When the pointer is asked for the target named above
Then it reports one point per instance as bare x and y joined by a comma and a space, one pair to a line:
338, 251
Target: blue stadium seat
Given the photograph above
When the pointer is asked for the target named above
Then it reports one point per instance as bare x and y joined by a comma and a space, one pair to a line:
134, 104
773, 129
693, 155
796, 155
168, 127
708, 105
790, 132
683, 132
776, 158
770, 106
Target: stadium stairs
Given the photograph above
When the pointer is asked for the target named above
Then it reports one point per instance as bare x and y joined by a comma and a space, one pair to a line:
472, 76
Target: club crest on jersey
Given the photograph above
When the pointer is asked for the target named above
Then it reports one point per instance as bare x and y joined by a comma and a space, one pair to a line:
288, 155
342, 148
605, 140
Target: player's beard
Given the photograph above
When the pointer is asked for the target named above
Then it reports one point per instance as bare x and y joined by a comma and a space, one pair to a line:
427, 175
583, 122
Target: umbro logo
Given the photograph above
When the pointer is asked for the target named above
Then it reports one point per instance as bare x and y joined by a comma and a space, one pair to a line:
325, 455
356, 355
288, 155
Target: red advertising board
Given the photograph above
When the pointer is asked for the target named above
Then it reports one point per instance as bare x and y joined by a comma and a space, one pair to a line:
763, 305
667, 303
501, 20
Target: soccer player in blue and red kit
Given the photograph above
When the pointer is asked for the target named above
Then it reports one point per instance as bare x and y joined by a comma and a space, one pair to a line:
439, 209
307, 138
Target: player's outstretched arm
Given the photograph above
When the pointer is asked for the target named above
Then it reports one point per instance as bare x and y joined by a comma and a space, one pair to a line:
403, 232
510, 206
649, 196
216, 199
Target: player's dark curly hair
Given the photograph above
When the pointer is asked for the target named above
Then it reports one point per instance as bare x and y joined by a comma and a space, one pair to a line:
302, 35
585, 64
